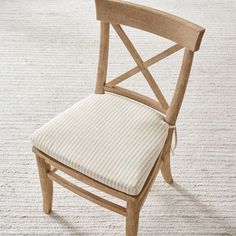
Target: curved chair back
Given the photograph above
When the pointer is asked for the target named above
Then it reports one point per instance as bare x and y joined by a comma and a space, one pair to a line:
184, 33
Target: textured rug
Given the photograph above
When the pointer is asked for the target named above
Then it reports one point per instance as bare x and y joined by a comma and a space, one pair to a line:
48, 60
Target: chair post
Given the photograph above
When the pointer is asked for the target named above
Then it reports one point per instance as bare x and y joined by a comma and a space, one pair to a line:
46, 184
103, 57
173, 111
181, 85
132, 218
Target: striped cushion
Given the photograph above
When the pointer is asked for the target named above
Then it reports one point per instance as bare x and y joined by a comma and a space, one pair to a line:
109, 138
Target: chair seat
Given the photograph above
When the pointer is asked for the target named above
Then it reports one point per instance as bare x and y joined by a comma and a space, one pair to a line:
107, 137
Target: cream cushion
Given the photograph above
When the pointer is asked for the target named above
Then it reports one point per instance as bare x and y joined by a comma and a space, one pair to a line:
109, 138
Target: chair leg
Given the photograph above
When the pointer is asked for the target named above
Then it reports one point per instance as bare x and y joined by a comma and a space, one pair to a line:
46, 184
165, 169
132, 219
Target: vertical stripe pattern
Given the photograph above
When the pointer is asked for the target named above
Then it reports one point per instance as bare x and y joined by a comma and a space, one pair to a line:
107, 137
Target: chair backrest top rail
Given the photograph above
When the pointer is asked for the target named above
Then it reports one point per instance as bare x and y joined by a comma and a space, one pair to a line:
176, 29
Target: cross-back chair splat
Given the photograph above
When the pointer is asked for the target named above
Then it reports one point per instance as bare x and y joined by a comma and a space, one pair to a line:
141, 65
160, 105
147, 63
185, 35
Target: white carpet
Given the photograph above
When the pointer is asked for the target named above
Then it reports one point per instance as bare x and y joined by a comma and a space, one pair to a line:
48, 60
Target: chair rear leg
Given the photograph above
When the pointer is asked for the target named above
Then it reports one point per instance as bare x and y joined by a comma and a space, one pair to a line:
165, 169
132, 219
46, 184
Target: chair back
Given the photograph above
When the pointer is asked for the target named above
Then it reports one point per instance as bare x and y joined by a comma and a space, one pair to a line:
182, 32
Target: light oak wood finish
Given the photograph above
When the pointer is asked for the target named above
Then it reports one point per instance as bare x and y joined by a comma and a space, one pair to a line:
152, 176
132, 219
156, 90
165, 167
134, 203
81, 177
137, 97
168, 26
85, 194
147, 63
46, 184
177, 99
103, 57
186, 35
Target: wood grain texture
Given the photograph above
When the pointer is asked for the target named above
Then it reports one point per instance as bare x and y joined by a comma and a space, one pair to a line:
165, 167
136, 96
134, 203
103, 57
146, 73
88, 195
81, 177
45, 67
46, 184
132, 219
180, 89
171, 27
147, 63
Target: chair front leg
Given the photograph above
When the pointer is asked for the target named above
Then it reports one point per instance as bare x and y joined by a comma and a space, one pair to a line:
46, 184
132, 219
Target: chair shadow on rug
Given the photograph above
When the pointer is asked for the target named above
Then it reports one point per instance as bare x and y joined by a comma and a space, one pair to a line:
204, 210
67, 225
117, 140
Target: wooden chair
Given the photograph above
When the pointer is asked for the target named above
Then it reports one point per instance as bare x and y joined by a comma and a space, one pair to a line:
116, 13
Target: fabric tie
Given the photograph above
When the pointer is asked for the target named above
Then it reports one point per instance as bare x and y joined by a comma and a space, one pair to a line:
173, 147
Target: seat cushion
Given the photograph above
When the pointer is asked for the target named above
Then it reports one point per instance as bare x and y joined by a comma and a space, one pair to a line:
107, 137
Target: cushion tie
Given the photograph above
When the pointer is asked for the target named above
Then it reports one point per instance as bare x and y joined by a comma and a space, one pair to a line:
173, 147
